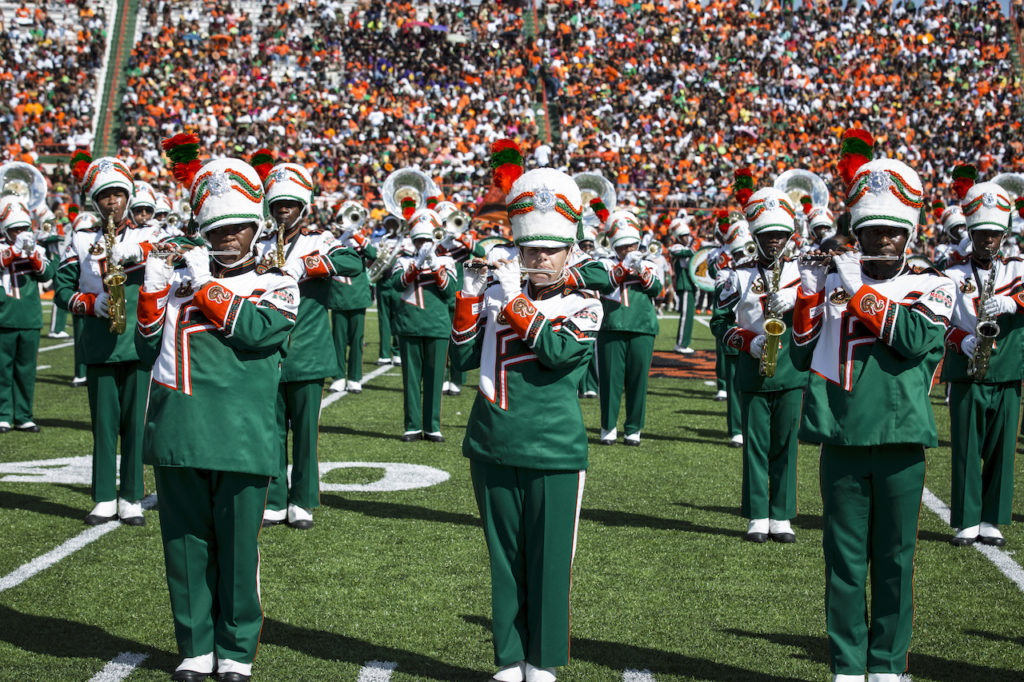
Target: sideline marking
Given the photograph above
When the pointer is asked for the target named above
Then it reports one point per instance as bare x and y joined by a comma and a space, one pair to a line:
1007, 566
631, 675
66, 344
44, 561
42, 367
377, 671
119, 667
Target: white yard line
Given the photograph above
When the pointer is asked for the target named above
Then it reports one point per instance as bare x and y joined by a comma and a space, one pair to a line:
119, 667
55, 346
1007, 566
42, 367
377, 671
334, 397
43, 562
631, 675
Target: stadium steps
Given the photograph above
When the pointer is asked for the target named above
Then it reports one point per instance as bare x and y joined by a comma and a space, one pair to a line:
1015, 52
122, 41
542, 109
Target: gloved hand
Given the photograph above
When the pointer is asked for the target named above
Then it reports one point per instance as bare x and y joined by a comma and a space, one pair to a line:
197, 261
781, 302
969, 344
294, 268
998, 305
474, 282
812, 277
421, 255
431, 262
158, 274
25, 243
632, 261
101, 308
757, 345
126, 253
848, 265
511, 279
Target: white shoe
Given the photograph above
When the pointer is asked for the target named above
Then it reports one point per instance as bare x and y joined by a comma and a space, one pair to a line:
383, 361
299, 517
105, 509
337, 386
633, 438
776, 527
721, 395
5, 425
710, 383
539, 674
511, 673
454, 389
847, 678
969, 533
736, 441
758, 526
396, 360
199, 664
589, 394
58, 335
883, 677
79, 381
445, 387
354, 387
679, 348
990, 535
275, 516
129, 510
609, 437
226, 665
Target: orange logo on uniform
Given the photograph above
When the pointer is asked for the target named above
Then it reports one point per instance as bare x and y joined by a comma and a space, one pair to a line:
871, 305
523, 308
312, 262
218, 294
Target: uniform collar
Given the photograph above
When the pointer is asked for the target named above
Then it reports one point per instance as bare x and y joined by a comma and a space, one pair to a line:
539, 293
220, 271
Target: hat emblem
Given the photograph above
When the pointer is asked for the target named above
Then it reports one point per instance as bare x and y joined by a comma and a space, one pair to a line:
989, 199
280, 175
105, 166
218, 183
543, 199
771, 203
879, 181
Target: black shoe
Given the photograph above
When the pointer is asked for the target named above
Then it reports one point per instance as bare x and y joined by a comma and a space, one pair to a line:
631, 443
784, 538
267, 523
410, 437
759, 538
94, 520
134, 521
434, 437
233, 677
991, 542
962, 542
188, 676
607, 441
298, 524
29, 427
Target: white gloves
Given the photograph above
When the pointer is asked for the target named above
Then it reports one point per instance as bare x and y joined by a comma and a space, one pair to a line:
474, 282
158, 274
421, 255
780, 302
632, 261
511, 279
25, 243
431, 262
969, 344
757, 345
812, 278
294, 268
124, 253
998, 305
197, 261
848, 265
101, 308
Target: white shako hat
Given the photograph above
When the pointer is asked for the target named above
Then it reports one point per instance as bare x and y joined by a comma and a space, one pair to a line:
589, 234
145, 197
289, 181
85, 221
953, 218
770, 210
987, 206
545, 209
163, 203
679, 228
227, 192
623, 228
422, 224
820, 216
105, 172
885, 192
14, 214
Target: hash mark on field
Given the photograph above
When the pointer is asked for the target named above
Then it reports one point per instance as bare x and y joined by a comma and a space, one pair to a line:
1007, 566
120, 667
334, 397
43, 562
55, 346
377, 671
631, 675
40, 368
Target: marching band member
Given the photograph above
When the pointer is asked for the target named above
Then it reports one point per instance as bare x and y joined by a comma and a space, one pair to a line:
55, 244
311, 257
735, 248
525, 440
426, 282
682, 251
822, 226
24, 264
348, 300
625, 345
872, 334
212, 496
984, 374
952, 251
116, 380
387, 297
143, 205
579, 257
770, 398
460, 246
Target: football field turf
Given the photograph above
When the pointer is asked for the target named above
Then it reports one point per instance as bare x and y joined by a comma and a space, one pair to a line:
392, 583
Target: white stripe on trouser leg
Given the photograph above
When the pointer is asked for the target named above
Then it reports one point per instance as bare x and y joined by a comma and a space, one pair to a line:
377, 671
683, 299
579, 506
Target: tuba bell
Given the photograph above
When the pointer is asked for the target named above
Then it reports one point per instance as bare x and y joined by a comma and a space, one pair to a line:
798, 183
24, 181
1013, 183
407, 184
594, 185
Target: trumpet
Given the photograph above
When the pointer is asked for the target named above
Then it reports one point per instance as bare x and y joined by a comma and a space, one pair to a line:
429, 254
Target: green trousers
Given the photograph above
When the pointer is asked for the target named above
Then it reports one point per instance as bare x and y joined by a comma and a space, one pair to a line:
58, 319
210, 523
687, 301
983, 429
117, 404
530, 519
624, 361
19, 349
347, 327
770, 424
385, 307
298, 410
871, 498
455, 376
589, 382
733, 418
77, 324
423, 359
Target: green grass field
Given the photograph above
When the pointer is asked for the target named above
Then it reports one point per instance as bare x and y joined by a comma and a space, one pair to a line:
663, 581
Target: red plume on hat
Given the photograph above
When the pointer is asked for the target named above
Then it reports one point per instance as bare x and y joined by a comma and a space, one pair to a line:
1018, 204
805, 204
722, 221
433, 201
183, 151
856, 149
938, 208
600, 210
262, 162
506, 163
79, 163
742, 185
964, 176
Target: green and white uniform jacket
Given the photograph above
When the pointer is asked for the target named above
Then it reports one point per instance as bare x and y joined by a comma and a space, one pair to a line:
1005, 363
628, 298
532, 354
216, 369
20, 307
422, 307
873, 356
352, 292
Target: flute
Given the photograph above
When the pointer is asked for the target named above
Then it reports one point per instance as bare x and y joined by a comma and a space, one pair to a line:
481, 264
178, 250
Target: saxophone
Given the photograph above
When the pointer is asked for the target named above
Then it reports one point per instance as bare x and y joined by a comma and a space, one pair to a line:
774, 328
113, 281
986, 329
280, 247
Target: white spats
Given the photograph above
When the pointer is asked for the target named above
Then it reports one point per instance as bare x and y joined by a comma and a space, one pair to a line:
377, 671
779, 527
199, 664
106, 508
534, 674
758, 526
296, 513
129, 510
847, 678
511, 673
969, 533
120, 667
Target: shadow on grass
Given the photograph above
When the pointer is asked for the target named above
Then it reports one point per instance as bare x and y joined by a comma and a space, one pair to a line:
616, 655
995, 637
35, 503
607, 517
331, 646
348, 431
393, 510
924, 665
77, 425
71, 639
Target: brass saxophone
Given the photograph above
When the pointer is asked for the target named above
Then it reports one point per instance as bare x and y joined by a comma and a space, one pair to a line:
113, 281
280, 247
774, 328
986, 329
